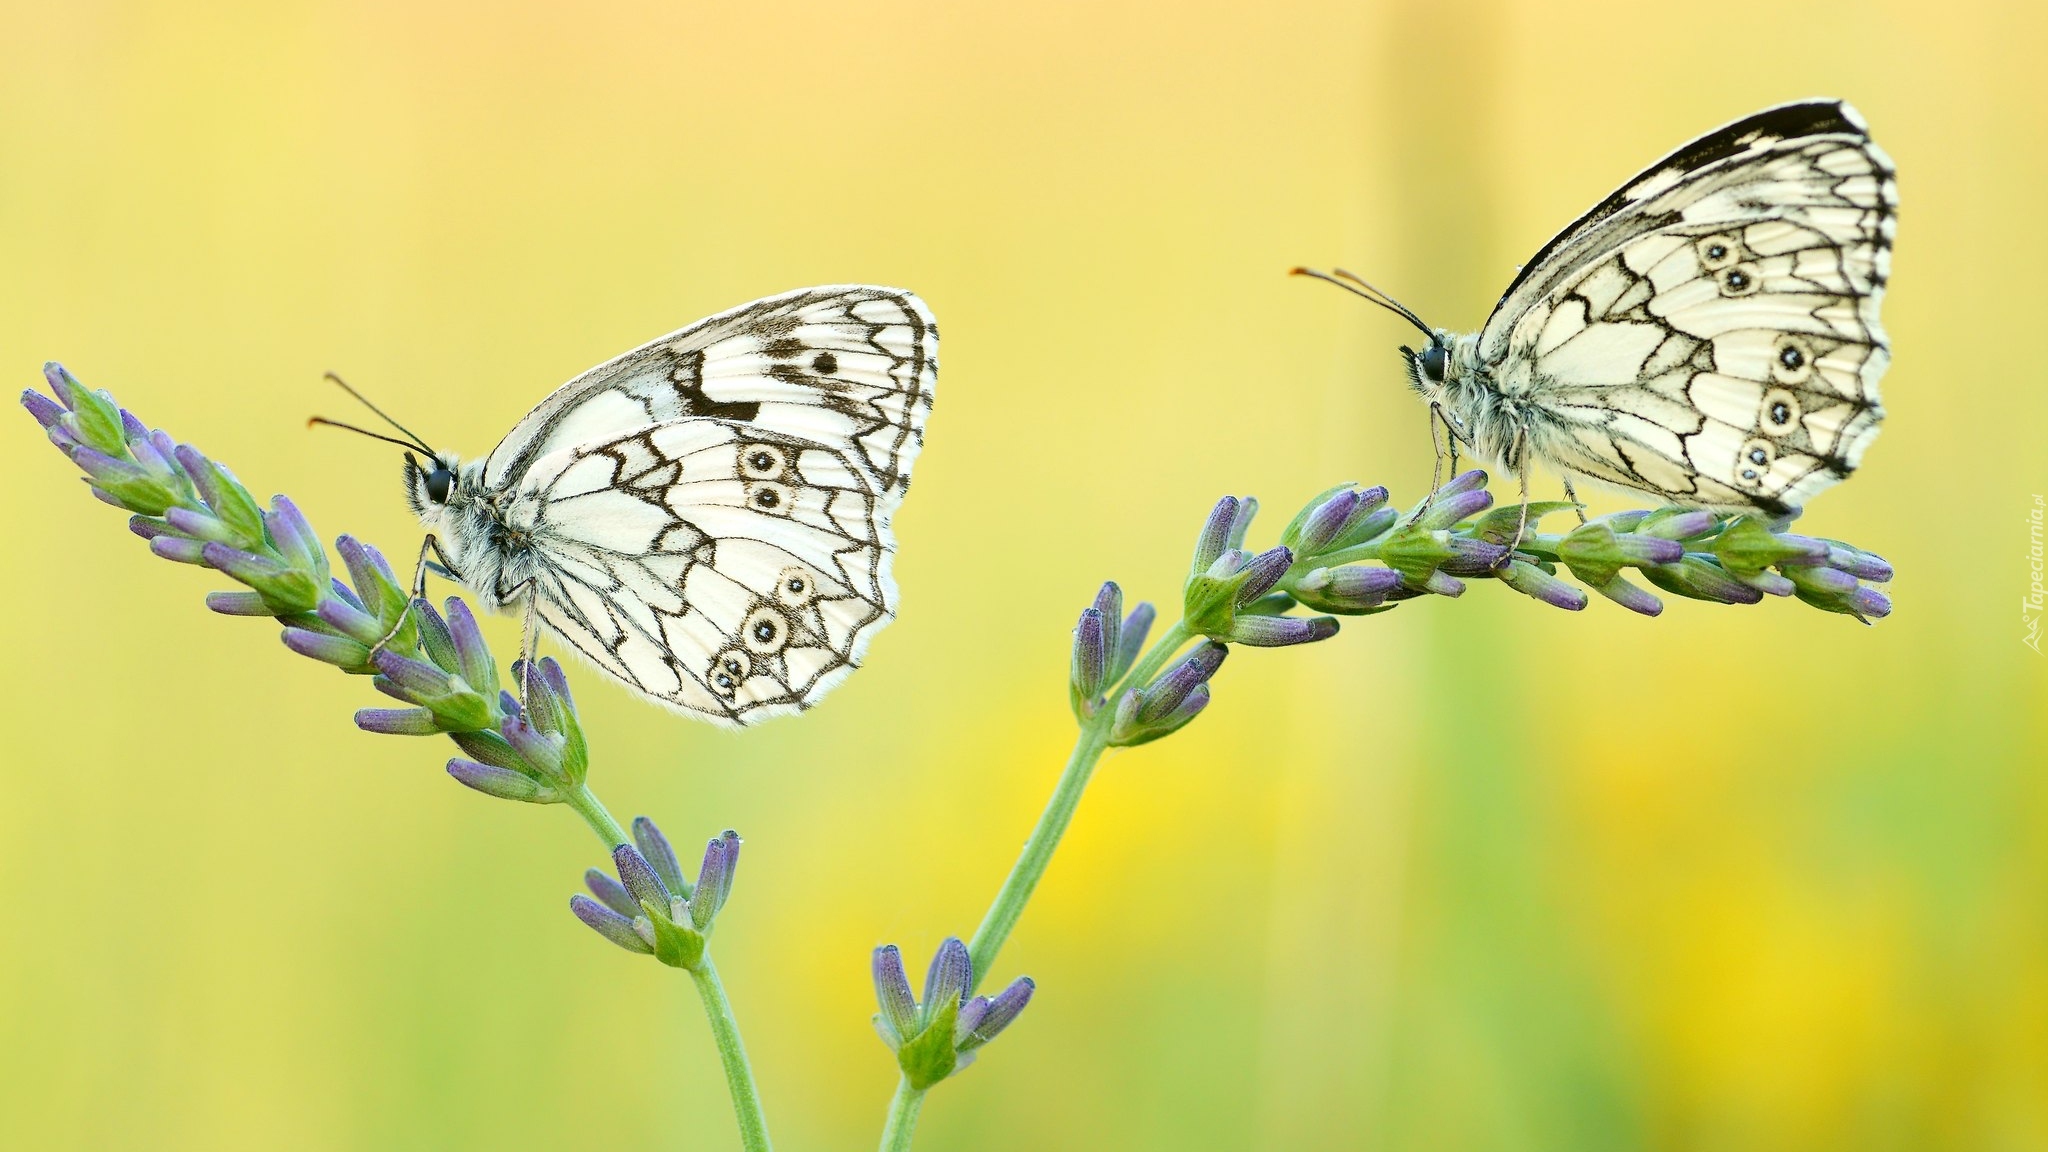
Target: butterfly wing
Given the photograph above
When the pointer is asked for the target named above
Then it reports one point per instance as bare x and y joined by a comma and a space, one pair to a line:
1710, 333
850, 365
726, 570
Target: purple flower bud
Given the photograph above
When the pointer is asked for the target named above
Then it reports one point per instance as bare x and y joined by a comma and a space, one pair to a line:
655, 847
1463, 482
609, 924
1534, 582
639, 876
247, 567
435, 641
1869, 603
1444, 584
951, 975
1768, 582
1131, 639
349, 620
1630, 597
420, 681
1862, 565
295, 537
1003, 1010
336, 650
1352, 582
46, 411
1452, 506
185, 551
1326, 521
1261, 573
397, 721
899, 1019
239, 604
1639, 550
106, 469
714, 879
1679, 526
493, 781
972, 1010
1216, 532
1089, 666
198, 524
610, 891
537, 748
473, 656
1469, 557
1166, 693
134, 429
1281, 631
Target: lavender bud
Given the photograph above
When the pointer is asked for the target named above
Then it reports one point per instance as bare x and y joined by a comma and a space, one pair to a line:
1629, 596
1261, 573
612, 892
1534, 582
46, 411
714, 879
1166, 693
184, 551
492, 781
655, 847
1281, 631
1454, 506
898, 1020
397, 721
1323, 522
1131, 640
609, 924
1216, 533
1089, 667
1002, 1012
336, 650
951, 975
639, 876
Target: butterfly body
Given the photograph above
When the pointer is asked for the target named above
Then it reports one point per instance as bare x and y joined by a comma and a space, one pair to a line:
1708, 334
707, 518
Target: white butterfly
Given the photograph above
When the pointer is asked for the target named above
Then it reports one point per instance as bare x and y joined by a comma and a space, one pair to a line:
706, 518
1708, 334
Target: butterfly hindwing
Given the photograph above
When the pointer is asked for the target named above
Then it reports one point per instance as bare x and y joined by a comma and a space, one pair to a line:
842, 364
1710, 333
717, 566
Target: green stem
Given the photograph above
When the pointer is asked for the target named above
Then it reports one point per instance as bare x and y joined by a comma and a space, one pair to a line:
585, 803
739, 1076
902, 1123
1025, 874
1059, 811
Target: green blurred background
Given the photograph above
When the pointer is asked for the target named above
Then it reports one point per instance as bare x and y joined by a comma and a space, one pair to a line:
1474, 875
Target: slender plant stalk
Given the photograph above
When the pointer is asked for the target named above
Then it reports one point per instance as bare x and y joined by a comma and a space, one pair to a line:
1030, 867
739, 1075
902, 1123
594, 813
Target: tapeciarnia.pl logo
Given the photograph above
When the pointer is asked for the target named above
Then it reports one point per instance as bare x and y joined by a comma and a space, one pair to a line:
2031, 607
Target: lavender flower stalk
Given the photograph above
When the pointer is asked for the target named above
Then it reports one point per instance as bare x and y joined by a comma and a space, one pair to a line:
192, 510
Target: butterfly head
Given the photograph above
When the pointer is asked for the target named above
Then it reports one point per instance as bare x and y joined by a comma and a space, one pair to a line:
428, 486
1433, 368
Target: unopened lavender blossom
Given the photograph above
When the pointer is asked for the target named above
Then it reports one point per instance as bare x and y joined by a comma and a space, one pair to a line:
938, 1036
652, 908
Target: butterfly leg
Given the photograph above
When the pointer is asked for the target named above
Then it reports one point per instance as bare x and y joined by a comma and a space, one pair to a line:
528, 635
419, 579
1574, 498
1436, 468
1520, 460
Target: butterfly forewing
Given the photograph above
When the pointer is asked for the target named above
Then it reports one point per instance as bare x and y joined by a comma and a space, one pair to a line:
851, 365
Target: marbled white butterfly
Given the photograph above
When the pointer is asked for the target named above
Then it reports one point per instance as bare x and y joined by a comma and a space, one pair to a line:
706, 518
1708, 334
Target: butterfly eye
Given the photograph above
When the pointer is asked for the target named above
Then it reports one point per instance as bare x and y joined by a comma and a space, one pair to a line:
439, 482
1434, 360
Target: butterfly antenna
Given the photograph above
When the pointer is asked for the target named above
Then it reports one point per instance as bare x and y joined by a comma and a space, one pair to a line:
1357, 287
422, 445
406, 444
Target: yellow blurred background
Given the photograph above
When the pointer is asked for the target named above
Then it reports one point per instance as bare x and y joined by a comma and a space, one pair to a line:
1474, 875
